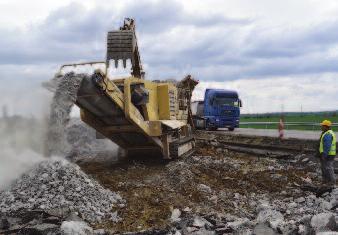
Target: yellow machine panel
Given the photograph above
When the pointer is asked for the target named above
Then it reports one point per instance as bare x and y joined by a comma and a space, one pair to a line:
152, 107
163, 101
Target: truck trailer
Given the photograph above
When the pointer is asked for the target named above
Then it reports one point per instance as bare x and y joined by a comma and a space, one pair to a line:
219, 109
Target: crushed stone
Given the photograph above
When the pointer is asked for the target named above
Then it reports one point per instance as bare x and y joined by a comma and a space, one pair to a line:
63, 100
57, 183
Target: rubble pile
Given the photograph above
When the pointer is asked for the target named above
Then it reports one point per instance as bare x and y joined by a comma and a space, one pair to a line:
298, 215
310, 204
268, 221
221, 192
304, 219
51, 222
57, 184
291, 211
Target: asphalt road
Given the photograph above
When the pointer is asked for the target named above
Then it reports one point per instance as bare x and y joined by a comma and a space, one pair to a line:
308, 135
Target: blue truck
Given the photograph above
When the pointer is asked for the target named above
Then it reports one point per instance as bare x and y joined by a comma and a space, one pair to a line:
219, 109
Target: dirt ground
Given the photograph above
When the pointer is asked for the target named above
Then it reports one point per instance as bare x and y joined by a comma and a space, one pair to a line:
206, 182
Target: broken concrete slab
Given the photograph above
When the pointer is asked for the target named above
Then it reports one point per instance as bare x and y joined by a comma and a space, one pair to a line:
324, 222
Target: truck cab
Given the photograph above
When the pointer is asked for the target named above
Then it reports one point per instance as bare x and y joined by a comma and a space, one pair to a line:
219, 109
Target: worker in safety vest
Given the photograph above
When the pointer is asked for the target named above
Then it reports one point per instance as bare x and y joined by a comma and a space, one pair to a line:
327, 152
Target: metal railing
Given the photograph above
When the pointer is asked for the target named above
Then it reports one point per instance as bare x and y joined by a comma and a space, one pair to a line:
287, 125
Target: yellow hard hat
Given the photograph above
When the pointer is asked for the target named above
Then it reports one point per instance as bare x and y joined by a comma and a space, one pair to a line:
326, 123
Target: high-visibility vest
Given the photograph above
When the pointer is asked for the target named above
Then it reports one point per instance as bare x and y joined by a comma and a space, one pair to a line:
333, 144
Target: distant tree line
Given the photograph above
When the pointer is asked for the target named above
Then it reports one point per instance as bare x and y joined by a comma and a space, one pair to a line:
290, 114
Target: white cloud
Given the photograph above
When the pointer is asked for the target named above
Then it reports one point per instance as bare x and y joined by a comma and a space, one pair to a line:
277, 47
267, 12
21, 90
308, 93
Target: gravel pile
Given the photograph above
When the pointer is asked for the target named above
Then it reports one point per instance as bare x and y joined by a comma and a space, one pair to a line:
85, 146
56, 184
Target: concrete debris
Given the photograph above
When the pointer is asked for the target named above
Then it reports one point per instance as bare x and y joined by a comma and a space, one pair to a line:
56, 184
44, 223
238, 224
200, 222
264, 205
305, 160
290, 215
175, 215
300, 200
324, 222
76, 228
204, 188
263, 228
272, 217
100, 232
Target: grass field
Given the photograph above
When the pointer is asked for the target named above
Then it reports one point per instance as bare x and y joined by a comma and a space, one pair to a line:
290, 117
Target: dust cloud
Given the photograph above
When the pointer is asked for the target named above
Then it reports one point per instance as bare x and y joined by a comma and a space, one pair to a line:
21, 141
68, 136
25, 141
14, 163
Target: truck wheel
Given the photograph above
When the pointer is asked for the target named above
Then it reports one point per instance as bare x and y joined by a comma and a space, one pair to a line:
206, 126
231, 128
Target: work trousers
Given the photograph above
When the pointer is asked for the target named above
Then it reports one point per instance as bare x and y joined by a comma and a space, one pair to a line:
328, 169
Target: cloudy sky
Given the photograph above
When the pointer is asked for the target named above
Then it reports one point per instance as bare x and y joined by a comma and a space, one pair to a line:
275, 53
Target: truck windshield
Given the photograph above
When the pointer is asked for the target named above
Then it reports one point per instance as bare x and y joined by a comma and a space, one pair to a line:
226, 101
